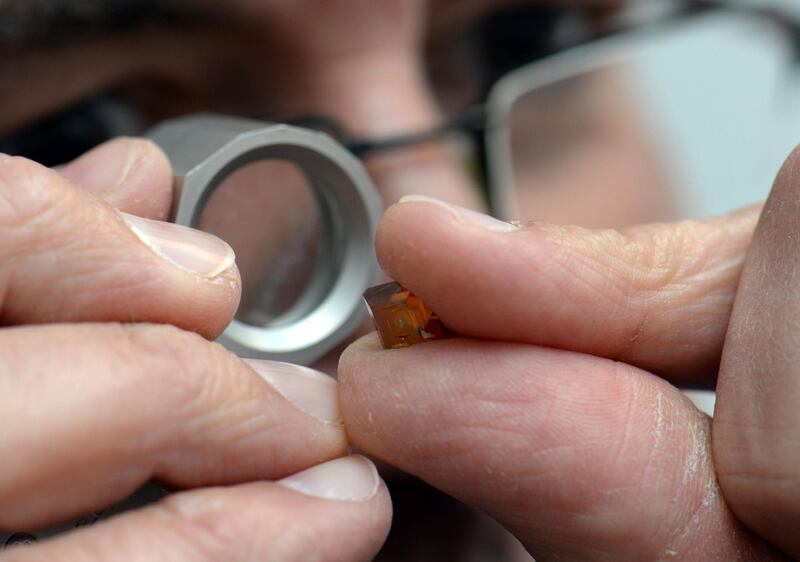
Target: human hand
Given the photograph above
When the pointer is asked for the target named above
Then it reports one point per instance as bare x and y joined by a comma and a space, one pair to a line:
551, 414
103, 386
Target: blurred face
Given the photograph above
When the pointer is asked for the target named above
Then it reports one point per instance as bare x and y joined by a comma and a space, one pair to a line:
361, 62
355, 60
358, 61
379, 68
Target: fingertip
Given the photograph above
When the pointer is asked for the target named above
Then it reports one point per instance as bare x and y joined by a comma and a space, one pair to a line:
368, 343
408, 241
427, 244
199, 268
221, 307
104, 166
404, 221
131, 174
356, 353
390, 235
352, 479
147, 189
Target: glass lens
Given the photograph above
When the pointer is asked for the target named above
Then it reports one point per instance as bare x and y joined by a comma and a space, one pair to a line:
581, 154
267, 211
651, 127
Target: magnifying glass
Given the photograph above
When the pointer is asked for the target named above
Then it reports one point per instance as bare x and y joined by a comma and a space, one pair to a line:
300, 212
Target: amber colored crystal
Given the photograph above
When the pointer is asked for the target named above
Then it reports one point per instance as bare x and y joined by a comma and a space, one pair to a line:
401, 318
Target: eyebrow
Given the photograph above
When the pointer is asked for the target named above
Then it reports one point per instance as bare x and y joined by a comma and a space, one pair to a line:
33, 22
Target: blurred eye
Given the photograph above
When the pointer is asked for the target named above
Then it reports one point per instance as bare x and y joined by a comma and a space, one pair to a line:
465, 61
64, 136
465, 64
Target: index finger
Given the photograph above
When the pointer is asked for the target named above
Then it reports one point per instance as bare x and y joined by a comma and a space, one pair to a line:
656, 296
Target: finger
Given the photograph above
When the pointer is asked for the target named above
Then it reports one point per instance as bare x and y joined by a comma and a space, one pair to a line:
65, 256
757, 418
657, 296
91, 412
582, 458
338, 511
132, 175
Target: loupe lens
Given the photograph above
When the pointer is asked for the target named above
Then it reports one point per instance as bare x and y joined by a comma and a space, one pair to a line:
268, 212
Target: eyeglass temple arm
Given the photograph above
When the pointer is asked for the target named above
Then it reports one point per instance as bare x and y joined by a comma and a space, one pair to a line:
473, 120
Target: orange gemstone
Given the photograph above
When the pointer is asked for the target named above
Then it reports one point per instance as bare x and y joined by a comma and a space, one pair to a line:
401, 318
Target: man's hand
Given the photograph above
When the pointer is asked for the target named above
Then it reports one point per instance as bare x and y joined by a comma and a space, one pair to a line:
548, 413
91, 411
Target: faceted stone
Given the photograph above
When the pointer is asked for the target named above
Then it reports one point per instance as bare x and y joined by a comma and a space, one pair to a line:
401, 318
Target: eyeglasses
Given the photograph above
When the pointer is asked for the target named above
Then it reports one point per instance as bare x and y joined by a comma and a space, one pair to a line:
669, 109
664, 115
690, 115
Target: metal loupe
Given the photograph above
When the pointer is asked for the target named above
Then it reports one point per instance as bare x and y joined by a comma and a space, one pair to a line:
263, 170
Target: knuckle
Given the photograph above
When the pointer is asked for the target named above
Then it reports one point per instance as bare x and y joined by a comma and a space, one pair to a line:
749, 481
220, 523
659, 253
757, 473
767, 504
685, 264
634, 260
203, 521
190, 369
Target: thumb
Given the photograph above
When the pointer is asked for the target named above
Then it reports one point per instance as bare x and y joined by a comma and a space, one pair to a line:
65, 256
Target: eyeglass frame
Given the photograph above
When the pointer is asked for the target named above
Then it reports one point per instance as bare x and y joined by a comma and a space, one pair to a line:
485, 123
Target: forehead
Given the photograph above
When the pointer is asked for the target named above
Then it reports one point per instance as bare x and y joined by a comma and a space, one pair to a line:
32, 21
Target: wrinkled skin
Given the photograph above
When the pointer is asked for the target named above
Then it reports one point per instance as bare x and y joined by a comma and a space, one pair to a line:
551, 412
548, 411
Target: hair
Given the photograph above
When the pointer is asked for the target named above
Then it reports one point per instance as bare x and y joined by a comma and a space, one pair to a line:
25, 22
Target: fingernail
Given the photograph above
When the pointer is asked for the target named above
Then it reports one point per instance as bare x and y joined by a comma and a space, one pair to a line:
104, 167
193, 250
466, 216
312, 392
352, 478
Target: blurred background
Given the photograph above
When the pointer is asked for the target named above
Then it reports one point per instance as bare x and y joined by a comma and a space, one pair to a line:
601, 114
